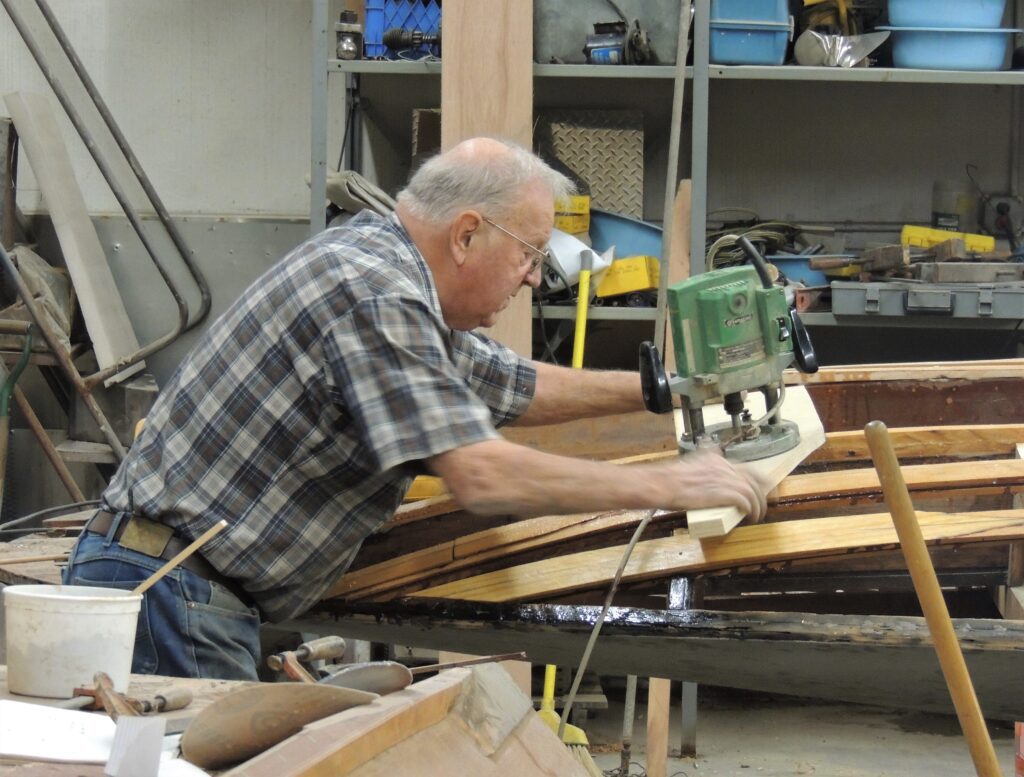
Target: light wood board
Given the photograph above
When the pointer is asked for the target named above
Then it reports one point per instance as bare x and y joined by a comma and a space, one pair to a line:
798, 408
919, 477
105, 316
924, 442
679, 255
954, 370
684, 555
487, 89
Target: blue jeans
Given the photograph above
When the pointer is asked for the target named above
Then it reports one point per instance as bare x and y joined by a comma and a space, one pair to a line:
188, 626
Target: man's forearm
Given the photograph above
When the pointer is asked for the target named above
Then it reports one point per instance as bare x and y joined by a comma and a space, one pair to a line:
498, 477
565, 394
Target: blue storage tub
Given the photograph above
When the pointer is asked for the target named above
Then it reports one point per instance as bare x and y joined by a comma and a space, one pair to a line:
750, 32
938, 48
946, 13
382, 15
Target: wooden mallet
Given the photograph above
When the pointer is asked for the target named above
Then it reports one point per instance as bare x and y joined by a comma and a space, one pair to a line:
926, 584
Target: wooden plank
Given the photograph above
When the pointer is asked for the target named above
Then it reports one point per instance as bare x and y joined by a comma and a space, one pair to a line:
474, 549
337, 745
798, 408
659, 701
924, 441
608, 437
683, 555
105, 316
957, 370
37, 572
844, 406
487, 89
919, 477
679, 254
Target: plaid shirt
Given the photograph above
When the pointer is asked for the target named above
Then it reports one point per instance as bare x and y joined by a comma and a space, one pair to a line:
303, 413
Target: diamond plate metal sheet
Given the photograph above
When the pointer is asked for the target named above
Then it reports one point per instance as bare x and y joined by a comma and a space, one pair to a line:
605, 148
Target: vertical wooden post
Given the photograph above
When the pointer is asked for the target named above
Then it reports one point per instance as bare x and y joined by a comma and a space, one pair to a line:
487, 89
659, 705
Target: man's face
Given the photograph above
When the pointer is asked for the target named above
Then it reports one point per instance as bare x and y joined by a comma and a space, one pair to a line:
505, 255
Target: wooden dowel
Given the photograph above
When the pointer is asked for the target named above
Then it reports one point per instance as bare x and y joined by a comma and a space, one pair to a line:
926, 584
4, 562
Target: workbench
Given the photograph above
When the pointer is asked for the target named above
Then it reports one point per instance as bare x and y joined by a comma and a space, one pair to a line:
204, 693
34, 571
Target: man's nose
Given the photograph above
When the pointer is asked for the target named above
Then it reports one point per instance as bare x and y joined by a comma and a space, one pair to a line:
532, 278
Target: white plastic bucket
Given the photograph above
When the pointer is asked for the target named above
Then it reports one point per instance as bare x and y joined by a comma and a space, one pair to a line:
59, 636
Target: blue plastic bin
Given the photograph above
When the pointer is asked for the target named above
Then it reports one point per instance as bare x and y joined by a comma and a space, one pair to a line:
946, 13
750, 32
382, 15
937, 48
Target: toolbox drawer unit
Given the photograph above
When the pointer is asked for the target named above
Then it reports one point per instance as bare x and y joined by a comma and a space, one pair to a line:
964, 300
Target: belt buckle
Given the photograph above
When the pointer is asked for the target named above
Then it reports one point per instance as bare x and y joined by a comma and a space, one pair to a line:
146, 537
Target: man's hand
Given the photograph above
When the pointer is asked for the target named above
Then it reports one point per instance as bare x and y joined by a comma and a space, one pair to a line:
706, 479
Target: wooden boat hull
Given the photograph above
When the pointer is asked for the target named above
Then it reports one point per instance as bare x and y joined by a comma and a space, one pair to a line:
880, 660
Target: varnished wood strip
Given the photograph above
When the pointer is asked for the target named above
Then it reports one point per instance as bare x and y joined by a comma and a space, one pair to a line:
919, 477
476, 548
925, 441
683, 555
859, 373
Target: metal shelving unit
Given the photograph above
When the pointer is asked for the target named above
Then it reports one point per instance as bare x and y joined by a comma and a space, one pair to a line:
700, 74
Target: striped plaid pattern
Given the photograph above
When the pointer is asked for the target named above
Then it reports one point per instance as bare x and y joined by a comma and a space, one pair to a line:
305, 410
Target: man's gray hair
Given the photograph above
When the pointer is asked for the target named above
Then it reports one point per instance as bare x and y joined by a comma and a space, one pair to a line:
449, 183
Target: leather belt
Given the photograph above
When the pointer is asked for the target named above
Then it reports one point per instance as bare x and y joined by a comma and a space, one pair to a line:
159, 541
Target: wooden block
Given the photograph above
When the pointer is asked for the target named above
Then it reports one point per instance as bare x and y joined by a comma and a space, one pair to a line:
950, 250
105, 316
890, 257
487, 89
798, 408
659, 702
519, 671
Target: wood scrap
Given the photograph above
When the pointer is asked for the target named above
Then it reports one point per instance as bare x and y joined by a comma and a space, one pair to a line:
745, 545
798, 408
105, 316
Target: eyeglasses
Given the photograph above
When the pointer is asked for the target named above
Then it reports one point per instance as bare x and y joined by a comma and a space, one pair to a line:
539, 255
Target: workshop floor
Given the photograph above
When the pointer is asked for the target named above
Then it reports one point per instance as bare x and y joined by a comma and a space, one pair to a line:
745, 735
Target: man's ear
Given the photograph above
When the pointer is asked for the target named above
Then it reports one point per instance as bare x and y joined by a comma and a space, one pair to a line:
462, 232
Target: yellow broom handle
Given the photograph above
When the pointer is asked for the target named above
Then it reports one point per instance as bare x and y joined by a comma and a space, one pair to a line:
582, 303
547, 701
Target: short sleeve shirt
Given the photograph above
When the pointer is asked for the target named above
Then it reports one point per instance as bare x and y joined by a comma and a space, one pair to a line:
305, 410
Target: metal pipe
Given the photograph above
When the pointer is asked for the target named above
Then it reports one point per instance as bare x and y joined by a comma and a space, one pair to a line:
62, 356
672, 172
140, 174
628, 718
183, 311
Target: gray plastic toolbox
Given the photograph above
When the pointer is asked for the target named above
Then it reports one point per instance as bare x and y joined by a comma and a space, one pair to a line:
952, 300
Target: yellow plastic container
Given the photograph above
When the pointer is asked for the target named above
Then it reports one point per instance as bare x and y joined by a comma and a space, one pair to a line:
425, 487
633, 273
927, 237
572, 215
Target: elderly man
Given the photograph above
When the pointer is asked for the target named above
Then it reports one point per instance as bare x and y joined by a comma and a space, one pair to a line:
304, 412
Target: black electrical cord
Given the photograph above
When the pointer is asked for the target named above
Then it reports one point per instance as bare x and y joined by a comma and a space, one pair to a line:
49, 512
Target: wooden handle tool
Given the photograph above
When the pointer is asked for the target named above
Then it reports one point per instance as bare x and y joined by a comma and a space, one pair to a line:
199, 541
926, 584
